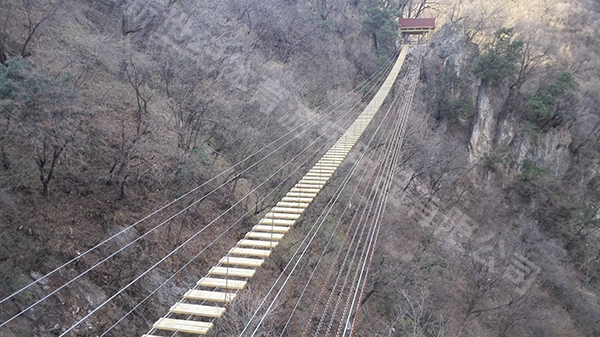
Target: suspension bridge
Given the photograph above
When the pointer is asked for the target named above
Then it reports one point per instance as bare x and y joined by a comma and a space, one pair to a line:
345, 232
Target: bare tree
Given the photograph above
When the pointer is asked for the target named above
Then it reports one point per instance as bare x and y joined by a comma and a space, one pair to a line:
137, 78
415, 8
43, 159
37, 12
537, 50
186, 85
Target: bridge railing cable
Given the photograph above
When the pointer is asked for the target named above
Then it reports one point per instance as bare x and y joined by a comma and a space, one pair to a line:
365, 84
137, 278
387, 165
289, 273
391, 170
174, 329
105, 241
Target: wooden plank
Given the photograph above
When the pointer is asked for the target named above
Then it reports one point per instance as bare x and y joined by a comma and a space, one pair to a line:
332, 166
276, 222
250, 251
337, 154
257, 243
297, 199
324, 166
267, 228
310, 184
301, 205
301, 195
241, 261
304, 183
287, 210
266, 236
289, 216
212, 296
232, 271
322, 175
314, 176
313, 180
309, 181
305, 190
213, 282
321, 170
170, 324
197, 310
329, 160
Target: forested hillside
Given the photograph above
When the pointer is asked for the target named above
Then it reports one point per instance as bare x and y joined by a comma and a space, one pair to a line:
112, 109
499, 196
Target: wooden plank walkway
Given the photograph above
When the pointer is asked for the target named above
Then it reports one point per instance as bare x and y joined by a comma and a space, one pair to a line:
234, 270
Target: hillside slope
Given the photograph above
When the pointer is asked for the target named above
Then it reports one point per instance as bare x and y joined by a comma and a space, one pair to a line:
112, 109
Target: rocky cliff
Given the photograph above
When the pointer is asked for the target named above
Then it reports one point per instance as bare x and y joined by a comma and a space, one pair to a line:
497, 131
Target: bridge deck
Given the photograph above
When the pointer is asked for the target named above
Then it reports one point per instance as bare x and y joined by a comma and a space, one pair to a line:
240, 264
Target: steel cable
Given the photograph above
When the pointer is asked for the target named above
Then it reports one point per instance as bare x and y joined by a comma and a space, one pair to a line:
272, 288
187, 241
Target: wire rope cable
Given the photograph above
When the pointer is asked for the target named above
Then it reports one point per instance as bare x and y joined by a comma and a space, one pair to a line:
367, 210
185, 242
345, 98
337, 278
402, 124
289, 275
145, 234
406, 107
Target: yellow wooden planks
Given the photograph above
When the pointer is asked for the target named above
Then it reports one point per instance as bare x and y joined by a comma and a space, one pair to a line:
267, 228
323, 175
286, 210
288, 216
258, 243
250, 251
295, 204
305, 190
263, 235
297, 199
241, 261
212, 296
221, 283
281, 222
232, 271
301, 195
200, 328
197, 310
316, 185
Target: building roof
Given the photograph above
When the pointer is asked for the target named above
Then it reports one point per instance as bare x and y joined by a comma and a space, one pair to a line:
426, 23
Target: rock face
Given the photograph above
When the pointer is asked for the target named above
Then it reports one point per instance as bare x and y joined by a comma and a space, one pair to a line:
549, 149
489, 104
496, 129
449, 47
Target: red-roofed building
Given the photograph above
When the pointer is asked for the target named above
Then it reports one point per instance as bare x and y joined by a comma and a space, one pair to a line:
422, 28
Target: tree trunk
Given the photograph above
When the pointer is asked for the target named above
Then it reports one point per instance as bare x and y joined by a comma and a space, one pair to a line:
3, 57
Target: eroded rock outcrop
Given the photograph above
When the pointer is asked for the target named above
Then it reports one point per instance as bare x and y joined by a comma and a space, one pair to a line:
496, 128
